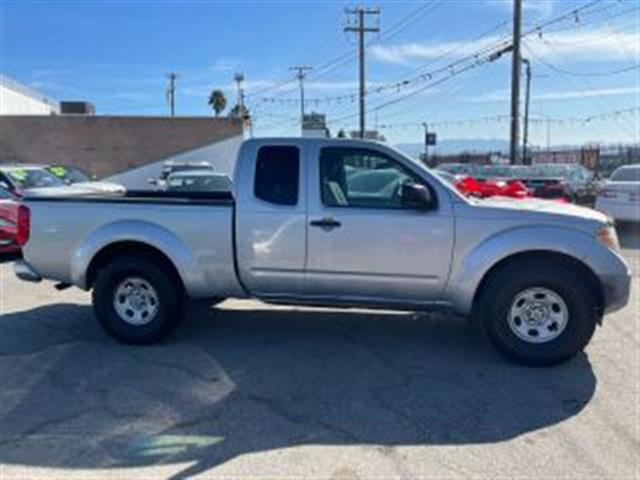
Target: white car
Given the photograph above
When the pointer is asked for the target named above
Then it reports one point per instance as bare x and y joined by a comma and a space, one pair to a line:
620, 195
204, 180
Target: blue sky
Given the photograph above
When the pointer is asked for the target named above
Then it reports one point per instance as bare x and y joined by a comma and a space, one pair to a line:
116, 54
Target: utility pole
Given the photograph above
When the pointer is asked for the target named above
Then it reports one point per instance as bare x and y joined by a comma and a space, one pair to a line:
525, 134
239, 78
300, 75
426, 143
171, 92
515, 80
242, 112
360, 28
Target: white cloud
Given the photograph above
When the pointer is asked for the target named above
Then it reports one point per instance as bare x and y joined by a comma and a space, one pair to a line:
601, 44
406, 52
503, 95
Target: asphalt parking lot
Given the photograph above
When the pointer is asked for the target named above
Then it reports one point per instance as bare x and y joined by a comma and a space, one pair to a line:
250, 390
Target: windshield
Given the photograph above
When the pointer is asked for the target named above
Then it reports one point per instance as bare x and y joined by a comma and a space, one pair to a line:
626, 174
168, 170
538, 171
518, 171
494, 171
198, 183
70, 174
458, 168
26, 178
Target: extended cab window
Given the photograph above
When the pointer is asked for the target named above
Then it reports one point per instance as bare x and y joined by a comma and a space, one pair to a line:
361, 178
278, 175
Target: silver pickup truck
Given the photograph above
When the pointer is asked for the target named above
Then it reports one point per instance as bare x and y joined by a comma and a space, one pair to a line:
336, 223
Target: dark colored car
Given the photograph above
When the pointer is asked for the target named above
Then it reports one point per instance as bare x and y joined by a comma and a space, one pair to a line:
559, 180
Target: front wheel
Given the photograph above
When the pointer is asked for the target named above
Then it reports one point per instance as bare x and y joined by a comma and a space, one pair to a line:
538, 312
136, 301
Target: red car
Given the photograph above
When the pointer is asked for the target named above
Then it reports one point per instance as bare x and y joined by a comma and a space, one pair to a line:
492, 188
14, 223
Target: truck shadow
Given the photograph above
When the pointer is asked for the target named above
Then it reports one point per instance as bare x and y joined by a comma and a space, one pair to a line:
234, 381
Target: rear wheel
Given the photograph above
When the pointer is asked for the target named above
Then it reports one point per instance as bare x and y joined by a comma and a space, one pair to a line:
538, 312
136, 301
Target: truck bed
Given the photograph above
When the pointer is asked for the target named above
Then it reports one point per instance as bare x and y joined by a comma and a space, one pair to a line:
195, 230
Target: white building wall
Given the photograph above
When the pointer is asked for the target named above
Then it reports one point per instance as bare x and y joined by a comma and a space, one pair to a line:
17, 99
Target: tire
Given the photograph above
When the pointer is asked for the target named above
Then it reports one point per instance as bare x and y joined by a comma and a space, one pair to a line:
125, 316
540, 291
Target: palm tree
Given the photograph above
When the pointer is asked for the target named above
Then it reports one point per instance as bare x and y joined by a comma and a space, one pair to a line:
217, 101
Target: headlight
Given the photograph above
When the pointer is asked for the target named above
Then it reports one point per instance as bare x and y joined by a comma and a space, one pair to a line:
608, 236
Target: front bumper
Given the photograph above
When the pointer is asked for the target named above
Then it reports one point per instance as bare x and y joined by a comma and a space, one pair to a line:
25, 272
617, 289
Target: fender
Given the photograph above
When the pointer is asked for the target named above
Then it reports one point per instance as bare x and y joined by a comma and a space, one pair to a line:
470, 266
141, 231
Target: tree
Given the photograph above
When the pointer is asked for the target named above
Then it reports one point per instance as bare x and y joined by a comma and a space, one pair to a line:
217, 101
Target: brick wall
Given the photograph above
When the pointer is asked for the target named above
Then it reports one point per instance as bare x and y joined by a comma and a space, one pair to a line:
109, 145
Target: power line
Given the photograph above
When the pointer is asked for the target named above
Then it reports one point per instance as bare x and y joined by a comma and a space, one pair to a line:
505, 118
453, 69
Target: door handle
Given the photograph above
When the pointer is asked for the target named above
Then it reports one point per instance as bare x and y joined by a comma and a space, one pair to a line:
326, 222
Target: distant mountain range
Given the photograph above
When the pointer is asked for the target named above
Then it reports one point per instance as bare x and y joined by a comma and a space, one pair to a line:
451, 146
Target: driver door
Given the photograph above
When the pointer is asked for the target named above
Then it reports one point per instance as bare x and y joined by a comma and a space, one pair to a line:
364, 243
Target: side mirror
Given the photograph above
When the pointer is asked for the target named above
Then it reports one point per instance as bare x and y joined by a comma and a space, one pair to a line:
416, 196
5, 185
152, 181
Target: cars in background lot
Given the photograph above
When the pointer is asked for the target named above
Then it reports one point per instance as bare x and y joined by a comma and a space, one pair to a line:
37, 179
172, 166
336, 223
559, 180
204, 180
14, 219
485, 188
80, 179
550, 180
619, 196
19, 179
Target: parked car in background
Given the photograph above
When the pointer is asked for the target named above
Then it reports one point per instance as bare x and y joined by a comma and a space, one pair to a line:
13, 220
619, 197
490, 181
322, 222
80, 179
38, 179
492, 188
205, 180
171, 166
19, 179
559, 180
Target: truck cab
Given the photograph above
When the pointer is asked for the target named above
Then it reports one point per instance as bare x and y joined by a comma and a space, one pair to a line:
331, 221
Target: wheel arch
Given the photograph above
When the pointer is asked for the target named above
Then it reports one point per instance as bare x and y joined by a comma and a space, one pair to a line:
592, 280
132, 247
